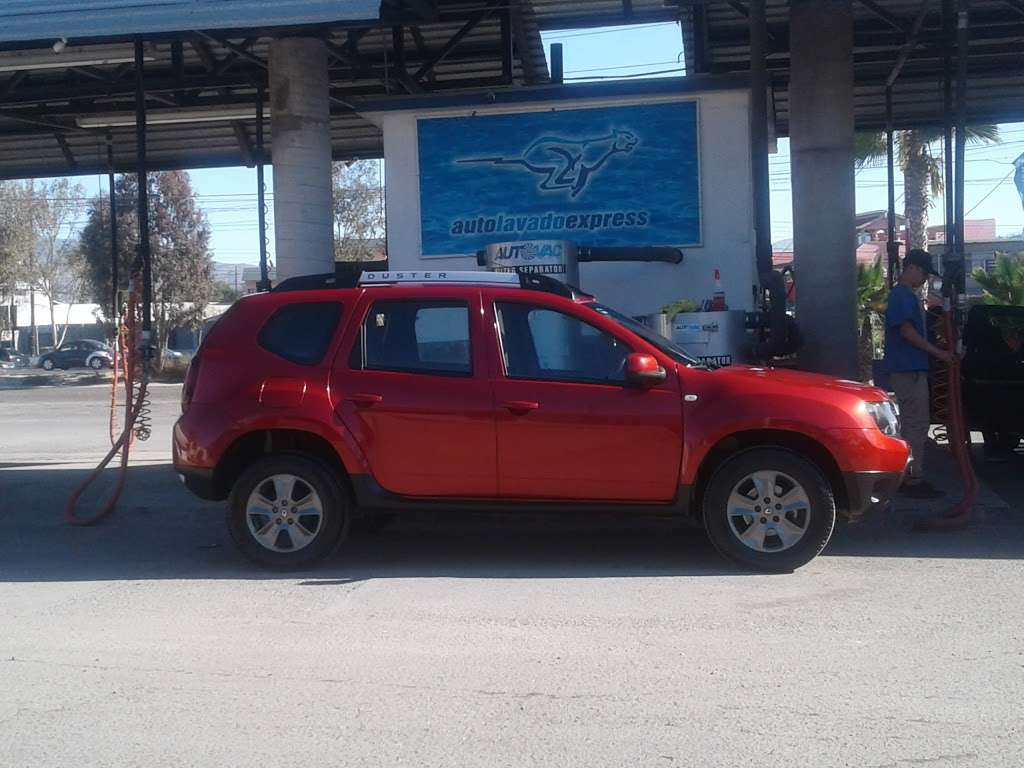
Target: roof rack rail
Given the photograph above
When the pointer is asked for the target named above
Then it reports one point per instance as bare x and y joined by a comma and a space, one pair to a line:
346, 275
352, 274
438, 276
528, 281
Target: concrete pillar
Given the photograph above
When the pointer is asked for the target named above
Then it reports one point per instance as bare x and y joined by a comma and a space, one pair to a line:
301, 150
824, 203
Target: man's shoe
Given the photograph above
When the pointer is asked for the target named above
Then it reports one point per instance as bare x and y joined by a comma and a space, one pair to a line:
920, 489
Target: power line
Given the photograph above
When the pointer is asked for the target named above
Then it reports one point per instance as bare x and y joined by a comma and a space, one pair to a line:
624, 66
611, 31
635, 74
990, 192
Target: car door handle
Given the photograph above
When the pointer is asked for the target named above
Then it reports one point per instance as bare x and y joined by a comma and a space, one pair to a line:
364, 399
520, 407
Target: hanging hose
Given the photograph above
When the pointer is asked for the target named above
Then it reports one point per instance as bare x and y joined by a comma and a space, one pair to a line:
119, 366
948, 401
135, 368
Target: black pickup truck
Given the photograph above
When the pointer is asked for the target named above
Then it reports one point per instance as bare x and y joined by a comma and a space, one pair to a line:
993, 375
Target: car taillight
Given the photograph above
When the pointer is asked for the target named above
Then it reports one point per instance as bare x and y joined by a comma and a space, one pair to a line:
189, 388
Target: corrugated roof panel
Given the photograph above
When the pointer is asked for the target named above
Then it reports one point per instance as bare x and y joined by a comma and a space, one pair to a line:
23, 20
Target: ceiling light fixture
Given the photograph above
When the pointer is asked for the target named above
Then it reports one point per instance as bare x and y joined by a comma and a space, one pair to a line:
170, 116
64, 56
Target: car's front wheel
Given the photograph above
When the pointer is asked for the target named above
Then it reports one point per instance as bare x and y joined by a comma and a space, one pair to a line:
96, 363
47, 364
769, 509
287, 511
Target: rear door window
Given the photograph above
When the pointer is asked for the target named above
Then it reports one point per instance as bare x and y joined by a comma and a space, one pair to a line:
412, 336
301, 333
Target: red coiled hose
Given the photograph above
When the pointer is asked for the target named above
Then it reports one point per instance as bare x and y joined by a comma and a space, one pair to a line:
947, 396
126, 349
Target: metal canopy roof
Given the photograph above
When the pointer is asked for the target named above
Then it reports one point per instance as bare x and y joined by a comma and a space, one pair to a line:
55, 107
884, 31
207, 58
22, 20
51, 102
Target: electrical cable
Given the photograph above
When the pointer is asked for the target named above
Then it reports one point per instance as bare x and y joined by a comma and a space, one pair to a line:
991, 192
631, 75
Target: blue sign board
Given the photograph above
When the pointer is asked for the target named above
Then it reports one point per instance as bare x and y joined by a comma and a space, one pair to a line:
609, 176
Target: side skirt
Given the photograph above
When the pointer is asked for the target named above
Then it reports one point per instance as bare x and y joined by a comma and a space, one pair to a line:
371, 497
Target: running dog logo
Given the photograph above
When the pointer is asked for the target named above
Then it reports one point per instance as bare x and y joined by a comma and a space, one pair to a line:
567, 164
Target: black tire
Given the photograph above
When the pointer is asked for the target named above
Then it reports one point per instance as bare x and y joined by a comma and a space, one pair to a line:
316, 476
47, 364
96, 363
1001, 442
817, 522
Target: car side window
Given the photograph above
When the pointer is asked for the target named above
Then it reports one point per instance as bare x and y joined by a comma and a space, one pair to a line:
544, 344
430, 337
301, 333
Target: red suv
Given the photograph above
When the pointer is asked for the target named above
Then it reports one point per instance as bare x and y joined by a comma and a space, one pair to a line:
308, 406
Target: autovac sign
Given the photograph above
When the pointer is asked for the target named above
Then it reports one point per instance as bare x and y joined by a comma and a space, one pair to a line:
610, 176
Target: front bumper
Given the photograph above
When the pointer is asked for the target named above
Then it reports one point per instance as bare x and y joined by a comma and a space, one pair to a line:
867, 491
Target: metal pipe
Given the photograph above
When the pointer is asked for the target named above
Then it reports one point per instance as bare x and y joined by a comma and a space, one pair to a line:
664, 254
143, 197
507, 57
557, 65
962, 42
114, 266
770, 280
948, 25
892, 248
759, 136
261, 192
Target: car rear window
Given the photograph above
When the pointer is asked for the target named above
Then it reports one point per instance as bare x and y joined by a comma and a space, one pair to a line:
302, 332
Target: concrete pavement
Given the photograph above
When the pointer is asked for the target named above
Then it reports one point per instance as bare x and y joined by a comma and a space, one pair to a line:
148, 641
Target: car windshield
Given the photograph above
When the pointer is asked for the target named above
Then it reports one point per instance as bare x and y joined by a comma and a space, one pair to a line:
649, 335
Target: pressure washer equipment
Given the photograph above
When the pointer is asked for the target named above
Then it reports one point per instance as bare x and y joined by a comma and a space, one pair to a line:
560, 259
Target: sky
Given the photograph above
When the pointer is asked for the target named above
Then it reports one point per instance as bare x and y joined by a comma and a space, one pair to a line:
228, 195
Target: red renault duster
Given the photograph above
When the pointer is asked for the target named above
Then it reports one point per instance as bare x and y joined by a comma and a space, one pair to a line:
307, 406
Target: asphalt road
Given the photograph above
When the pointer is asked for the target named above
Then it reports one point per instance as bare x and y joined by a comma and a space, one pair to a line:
148, 642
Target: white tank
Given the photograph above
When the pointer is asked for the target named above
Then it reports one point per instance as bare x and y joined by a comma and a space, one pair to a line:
718, 338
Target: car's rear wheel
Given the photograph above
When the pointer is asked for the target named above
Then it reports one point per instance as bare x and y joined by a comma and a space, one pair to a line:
287, 511
47, 364
769, 509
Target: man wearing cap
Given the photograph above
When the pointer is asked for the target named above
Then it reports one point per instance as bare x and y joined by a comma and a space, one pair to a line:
906, 359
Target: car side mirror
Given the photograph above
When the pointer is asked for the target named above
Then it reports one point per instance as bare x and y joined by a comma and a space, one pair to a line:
643, 371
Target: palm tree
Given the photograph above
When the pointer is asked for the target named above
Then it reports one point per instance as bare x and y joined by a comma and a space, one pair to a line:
1005, 284
922, 169
872, 295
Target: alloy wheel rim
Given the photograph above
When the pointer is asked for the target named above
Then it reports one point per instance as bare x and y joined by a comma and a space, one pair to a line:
769, 511
284, 513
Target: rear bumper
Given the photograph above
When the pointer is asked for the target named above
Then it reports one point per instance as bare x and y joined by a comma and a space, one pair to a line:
197, 478
866, 491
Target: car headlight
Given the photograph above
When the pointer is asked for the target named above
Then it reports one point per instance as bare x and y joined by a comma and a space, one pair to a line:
886, 416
